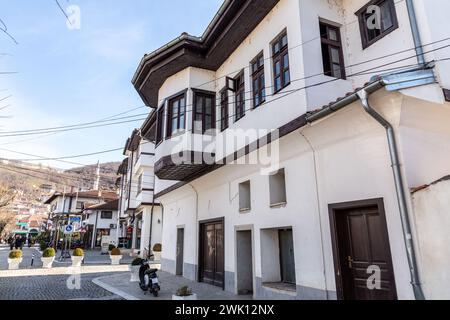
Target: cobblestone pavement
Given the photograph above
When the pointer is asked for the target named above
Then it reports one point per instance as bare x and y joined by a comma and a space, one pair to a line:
27, 257
120, 284
53, 287
35, 283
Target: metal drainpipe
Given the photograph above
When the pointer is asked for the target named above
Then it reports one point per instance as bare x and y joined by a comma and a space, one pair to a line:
150, 249
401, 193
197, 227
415, 32
316, 181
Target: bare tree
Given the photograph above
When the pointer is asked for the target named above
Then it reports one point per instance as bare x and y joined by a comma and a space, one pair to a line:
7, 219
6, 196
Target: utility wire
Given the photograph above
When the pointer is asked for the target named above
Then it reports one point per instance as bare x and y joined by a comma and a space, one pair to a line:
295, 90
63, 11
71, 129
3, 99
52, 134
5, 31
282, 96
309, 41
71, 157
360, 73
77, 125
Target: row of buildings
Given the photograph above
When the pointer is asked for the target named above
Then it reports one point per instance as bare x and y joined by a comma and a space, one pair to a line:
93, 214
298, 150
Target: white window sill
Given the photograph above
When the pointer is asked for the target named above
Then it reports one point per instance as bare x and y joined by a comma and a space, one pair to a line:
283, 288
278, 205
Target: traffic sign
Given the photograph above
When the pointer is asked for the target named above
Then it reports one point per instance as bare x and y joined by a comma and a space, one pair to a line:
68, 229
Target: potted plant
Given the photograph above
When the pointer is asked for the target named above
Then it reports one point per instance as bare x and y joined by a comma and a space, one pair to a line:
111, 247
115, 256
15, 259
77, 257
48, 256
43, 245
157, 248
134, 269
184, 293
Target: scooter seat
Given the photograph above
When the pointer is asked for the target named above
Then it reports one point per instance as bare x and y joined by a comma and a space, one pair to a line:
152, 270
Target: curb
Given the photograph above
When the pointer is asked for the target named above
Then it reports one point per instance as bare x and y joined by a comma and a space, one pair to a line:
113, 290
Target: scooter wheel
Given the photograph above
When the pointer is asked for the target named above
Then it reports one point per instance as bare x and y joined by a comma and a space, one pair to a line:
155, 293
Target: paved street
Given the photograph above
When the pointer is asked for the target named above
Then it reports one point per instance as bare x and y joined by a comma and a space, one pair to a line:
120, 284
35, 283
52, 287
93, 281
27, 257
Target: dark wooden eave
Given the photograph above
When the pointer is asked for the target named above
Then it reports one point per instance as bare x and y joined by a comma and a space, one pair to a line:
148, 129
191, 163
123, 168
125, 149
245, 151
135, 140
235, 21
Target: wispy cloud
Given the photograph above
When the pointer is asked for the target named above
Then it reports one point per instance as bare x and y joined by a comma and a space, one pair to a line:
116, 44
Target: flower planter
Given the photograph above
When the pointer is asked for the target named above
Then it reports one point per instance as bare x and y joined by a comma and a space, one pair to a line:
134, 273
187, 298
13, 264
47, 263
115, 260
76, 261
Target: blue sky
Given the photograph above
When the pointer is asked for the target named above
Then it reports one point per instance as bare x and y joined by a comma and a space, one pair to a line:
73, 76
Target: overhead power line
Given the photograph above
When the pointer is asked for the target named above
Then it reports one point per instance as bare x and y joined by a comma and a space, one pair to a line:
63, 11
77, 125
69, 157
3, 135
4, 28
55, 133
279, 97
3, 99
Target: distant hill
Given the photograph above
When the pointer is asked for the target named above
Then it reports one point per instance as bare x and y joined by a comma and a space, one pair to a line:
108, 174
33, 184
27, 177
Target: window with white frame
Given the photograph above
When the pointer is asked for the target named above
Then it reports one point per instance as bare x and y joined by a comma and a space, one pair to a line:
277, 185
244, 196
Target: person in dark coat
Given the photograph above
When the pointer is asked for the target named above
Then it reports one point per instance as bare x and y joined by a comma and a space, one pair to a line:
19, 243
11, 242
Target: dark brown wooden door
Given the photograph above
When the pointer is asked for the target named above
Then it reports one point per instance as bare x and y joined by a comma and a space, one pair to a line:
287, 260
212, 253
362, 246
180, 252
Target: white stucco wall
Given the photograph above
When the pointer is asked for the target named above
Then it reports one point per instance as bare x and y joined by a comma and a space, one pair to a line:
99, 223
433, 22
353, 164
301, 20
350, 149
433, 225
156, 228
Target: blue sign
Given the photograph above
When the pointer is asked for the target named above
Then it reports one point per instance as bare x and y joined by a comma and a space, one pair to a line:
68, 229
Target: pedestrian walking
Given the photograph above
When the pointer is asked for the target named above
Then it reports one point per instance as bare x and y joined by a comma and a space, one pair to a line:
19, 243
11, 243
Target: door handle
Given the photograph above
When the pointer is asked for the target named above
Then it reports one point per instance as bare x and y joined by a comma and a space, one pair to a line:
350, 262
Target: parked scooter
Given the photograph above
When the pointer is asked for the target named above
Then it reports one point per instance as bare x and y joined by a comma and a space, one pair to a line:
149, 281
